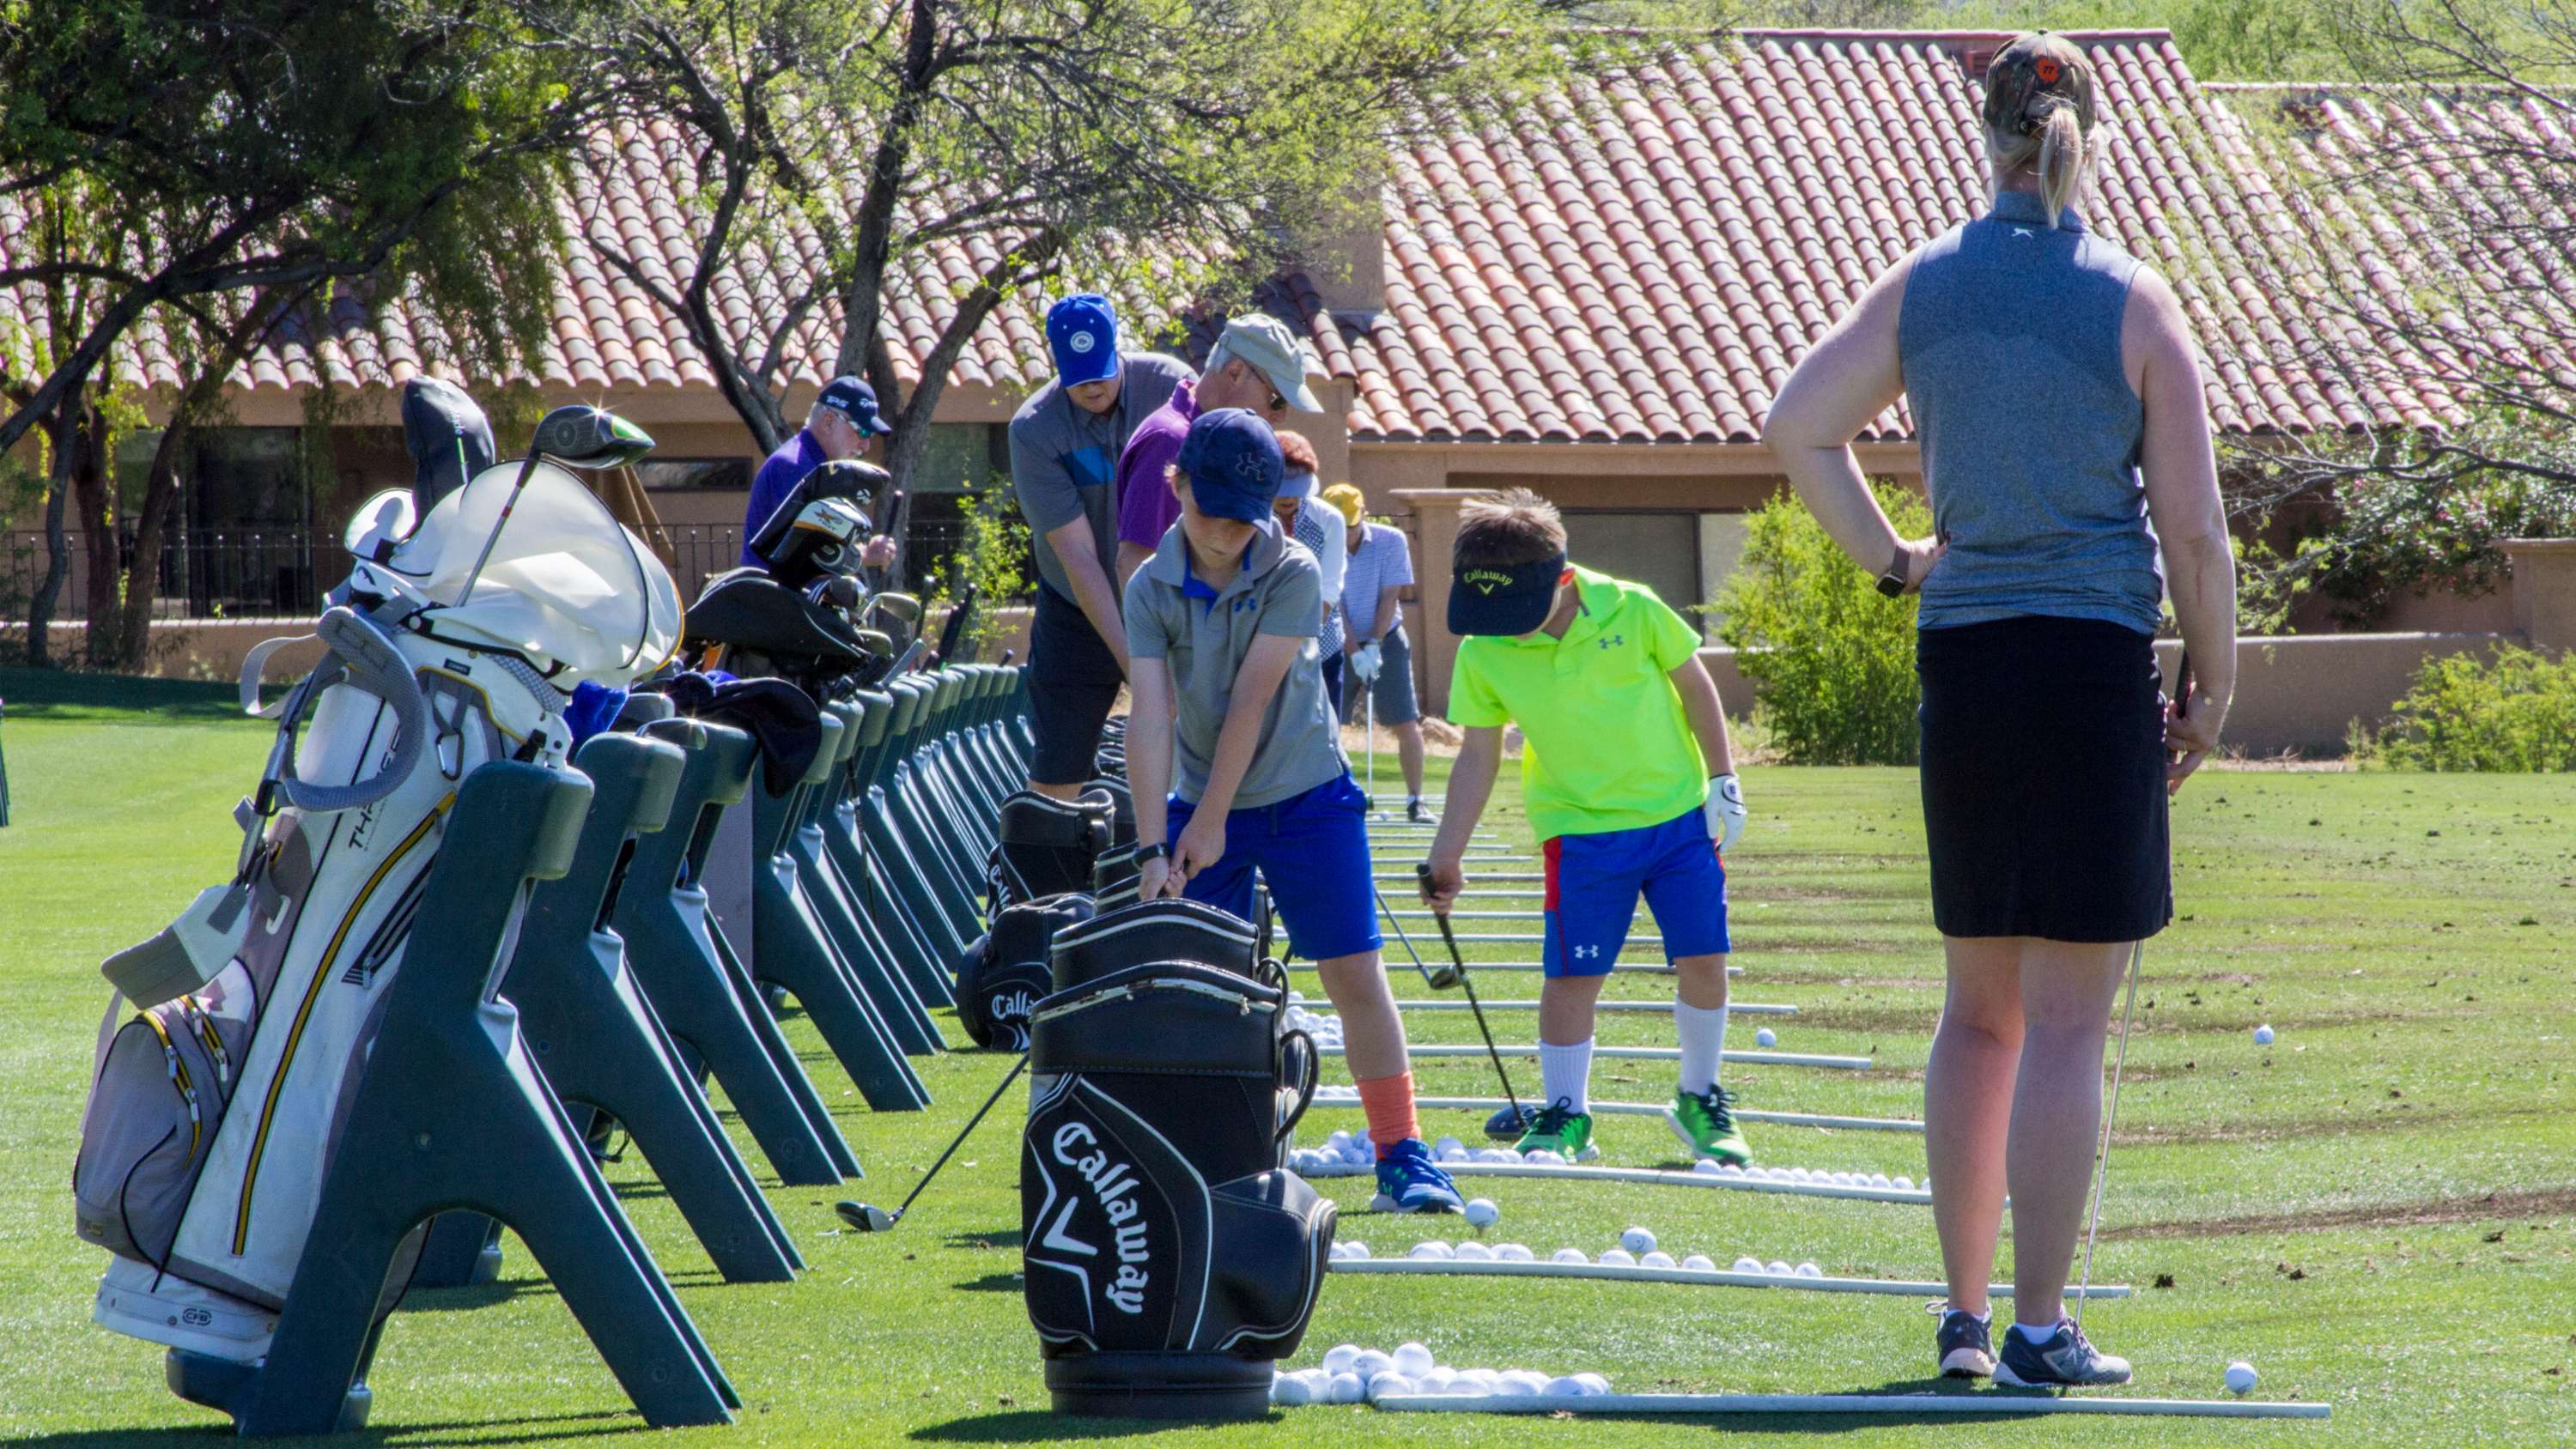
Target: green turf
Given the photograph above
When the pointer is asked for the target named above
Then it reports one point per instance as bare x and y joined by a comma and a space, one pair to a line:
2376, 1210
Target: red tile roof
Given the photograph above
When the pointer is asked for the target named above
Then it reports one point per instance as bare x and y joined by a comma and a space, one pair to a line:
1643, 257
1638, 258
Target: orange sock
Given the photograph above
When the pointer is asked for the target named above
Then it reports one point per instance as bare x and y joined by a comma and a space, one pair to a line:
1389, 1104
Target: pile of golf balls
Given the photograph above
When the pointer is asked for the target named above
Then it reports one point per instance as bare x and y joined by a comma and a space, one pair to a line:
1342, 1155
1711, 1167
1324, 1027
1351, 1374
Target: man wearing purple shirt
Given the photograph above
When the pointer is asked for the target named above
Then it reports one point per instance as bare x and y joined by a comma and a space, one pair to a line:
840, 425
1257, 365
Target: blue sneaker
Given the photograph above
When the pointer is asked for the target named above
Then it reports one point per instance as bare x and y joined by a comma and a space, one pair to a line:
1965, 1344
1408, 1181
2064, 1361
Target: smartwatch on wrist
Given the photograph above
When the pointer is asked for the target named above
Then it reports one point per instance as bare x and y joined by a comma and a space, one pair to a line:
1145, 853
1892, 582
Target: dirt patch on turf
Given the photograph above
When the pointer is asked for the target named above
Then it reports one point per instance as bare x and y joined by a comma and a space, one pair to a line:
2559, 1202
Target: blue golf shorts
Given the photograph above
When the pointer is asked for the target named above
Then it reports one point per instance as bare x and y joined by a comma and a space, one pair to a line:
1593, 882
1313, 851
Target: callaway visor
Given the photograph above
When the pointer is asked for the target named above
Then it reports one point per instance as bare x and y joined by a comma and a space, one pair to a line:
1506, 600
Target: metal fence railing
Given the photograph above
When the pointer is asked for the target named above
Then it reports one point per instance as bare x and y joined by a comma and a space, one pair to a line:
214, 573
235, 573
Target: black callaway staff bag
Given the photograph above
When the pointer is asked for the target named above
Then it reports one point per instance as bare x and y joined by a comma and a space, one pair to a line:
1170, 1260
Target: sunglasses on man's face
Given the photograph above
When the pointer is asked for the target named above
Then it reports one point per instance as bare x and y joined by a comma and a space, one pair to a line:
1278, 404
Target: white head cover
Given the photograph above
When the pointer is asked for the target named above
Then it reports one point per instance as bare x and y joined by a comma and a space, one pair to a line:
567, 585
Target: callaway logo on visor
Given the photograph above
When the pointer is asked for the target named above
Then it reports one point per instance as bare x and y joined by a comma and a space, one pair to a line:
1485, 580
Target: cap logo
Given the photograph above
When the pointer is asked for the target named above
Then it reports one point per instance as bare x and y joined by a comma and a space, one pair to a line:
2046, 69
1485, 581
1082, 342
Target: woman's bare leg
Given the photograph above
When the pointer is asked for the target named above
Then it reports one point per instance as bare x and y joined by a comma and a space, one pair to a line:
1967, 1106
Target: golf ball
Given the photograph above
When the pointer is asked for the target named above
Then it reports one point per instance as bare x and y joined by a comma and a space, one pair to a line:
1810, 1270
1780, 1269
1765, 1036
1593, 1383
2241, 1377
1436, 1380
1516, 1384
1748, 1265
1371, 1363
1412, 1360
1618, 1258
1338, 1358
1472, 1251
1514, 1253
1544, 1157
1347, 1389
1706, 1166
1564, 1388
1481, 1212
1902, 1183
1289, 1391
1447, 1144
1656, 1259
1700, 1263
1388, 1384
1434, 1249
1637, 1240
2262, 1037
1355, 1249
1569, 1255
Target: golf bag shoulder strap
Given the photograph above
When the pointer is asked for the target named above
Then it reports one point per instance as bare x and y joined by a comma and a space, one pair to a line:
364, 655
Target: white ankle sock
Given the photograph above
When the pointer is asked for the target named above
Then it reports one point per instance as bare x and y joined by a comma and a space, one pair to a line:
1703, 1037
1566, 1072
2035, 1336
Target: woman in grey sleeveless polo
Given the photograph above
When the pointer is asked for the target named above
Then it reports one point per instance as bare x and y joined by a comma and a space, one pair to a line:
2056, 391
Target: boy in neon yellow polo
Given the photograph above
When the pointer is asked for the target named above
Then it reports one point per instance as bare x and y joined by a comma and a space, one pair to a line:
1630, 781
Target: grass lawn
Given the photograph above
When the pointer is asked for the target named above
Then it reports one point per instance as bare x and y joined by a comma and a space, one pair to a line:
2377, 1210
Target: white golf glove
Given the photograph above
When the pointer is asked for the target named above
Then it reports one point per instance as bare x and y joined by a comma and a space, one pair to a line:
1725, 810
1365, 661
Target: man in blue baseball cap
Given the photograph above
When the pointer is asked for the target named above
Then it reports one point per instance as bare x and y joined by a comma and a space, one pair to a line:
839, 425
1222, 626
1065, 442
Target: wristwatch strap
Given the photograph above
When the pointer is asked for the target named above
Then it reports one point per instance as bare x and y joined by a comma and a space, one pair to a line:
1892, 582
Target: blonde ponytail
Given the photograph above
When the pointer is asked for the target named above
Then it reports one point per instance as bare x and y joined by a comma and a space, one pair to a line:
2058, 152
2061, 159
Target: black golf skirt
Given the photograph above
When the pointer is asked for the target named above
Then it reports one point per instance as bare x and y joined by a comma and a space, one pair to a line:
2043, 780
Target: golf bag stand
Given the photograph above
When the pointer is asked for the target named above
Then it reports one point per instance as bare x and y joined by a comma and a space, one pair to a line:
449, 1111
1170, 1260
862, 868
598, 1040
864, 954
794, 951
686, 973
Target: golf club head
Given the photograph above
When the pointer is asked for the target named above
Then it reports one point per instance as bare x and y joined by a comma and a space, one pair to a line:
902, 606
1440, 977
1507, 1123
865, 1217
580, 436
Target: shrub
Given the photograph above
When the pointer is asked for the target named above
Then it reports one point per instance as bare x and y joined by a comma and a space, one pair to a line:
1830, 658
993, 558
2515, 710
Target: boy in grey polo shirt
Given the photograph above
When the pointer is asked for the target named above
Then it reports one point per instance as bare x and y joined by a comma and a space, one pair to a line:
1221, 631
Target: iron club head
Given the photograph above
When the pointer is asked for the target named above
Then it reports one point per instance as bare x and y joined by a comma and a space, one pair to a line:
865, 1217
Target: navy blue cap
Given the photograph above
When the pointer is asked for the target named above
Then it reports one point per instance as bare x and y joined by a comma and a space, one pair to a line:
852, 398
1508, 600
1232, 461
1082, 332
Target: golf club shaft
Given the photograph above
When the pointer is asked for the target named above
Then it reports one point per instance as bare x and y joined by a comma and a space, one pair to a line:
2120, 1060
971, 1124
1458, 964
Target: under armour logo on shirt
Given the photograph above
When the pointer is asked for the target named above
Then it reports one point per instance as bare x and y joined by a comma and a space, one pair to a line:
2025, 233
1587, 953
1613, 641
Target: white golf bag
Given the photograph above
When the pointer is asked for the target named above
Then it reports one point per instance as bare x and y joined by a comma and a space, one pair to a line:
215, 1109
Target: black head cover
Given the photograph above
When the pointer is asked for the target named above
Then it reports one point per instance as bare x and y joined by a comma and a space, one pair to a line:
447, 435
580, 436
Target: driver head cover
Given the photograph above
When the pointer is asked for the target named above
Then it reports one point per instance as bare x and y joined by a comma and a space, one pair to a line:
580, 436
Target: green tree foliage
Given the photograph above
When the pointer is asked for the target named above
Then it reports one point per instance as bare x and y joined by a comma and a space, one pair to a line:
2514, 710
992, 566
1138, 146
1831, 659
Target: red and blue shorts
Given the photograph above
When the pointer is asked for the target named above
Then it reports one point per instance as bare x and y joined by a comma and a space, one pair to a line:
1593, 882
